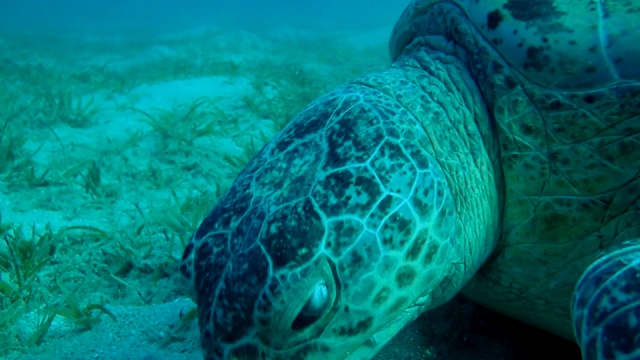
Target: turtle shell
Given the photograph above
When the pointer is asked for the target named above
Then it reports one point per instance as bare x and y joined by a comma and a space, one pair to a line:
557, 44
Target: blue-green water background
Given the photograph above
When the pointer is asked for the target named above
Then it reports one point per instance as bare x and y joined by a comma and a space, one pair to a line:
170, 15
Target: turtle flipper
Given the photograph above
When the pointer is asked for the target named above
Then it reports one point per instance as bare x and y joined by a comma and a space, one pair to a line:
606, 305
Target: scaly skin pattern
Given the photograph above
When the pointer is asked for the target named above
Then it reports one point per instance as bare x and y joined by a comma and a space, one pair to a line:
606, 305
473, 164
570, 149
370, 191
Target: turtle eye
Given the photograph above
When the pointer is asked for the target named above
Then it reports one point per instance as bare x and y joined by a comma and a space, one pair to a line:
314, 308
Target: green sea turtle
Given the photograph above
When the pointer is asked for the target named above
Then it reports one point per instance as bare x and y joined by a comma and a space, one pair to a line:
497, 156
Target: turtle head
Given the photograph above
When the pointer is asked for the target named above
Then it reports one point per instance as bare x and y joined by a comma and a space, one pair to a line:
248, 308
348, 224
322, 262
274, 301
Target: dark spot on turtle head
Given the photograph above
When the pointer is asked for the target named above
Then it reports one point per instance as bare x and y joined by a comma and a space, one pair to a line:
292, 234
381, 296
573, 42
246, 233
353, 137
209, 264
308, 123
494, 19
432, 250
405, 276
417, 245
356, 261
359, 327
340, 235
348, 191
232, 207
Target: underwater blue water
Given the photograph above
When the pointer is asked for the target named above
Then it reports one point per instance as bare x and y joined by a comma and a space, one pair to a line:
172, 15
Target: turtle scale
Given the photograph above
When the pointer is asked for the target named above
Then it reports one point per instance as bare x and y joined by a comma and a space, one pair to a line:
471, 164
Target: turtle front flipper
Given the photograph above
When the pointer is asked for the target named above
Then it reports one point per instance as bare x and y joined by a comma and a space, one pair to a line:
606, 305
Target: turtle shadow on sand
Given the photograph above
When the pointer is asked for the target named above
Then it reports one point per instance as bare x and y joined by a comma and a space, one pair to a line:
463, 330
